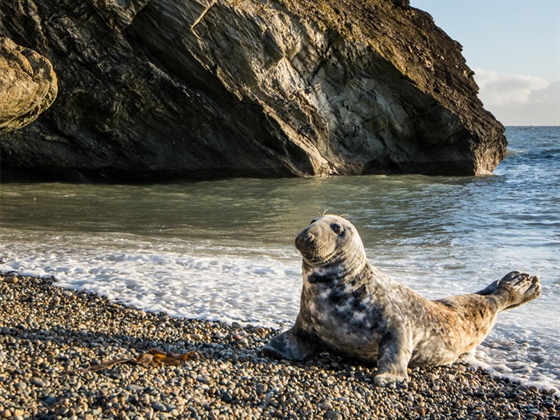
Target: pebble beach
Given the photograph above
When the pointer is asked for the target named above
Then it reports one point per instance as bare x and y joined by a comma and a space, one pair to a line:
51, 340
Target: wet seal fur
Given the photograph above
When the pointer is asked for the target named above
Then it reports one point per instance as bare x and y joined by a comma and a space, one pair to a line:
349, 308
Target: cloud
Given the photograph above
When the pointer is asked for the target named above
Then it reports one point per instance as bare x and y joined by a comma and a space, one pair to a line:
519, 99
499, 89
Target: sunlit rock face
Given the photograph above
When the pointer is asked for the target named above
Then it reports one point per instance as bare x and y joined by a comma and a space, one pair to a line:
160, 89
27, 85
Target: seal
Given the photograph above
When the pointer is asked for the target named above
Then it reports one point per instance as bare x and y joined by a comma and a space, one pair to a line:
350, 308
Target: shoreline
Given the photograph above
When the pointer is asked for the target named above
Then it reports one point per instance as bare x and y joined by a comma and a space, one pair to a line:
50, 336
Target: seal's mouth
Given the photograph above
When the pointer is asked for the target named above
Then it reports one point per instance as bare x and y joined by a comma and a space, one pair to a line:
305, 241
312, 249
306, 244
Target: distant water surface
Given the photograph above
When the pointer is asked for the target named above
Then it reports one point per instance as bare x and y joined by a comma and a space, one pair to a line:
223, 250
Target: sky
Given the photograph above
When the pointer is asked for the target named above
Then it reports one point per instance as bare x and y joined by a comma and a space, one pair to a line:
514, 49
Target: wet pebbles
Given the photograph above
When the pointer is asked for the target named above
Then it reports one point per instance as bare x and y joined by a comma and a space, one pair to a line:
49, 337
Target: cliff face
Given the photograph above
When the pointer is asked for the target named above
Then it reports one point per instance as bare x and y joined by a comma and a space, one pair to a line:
153, 89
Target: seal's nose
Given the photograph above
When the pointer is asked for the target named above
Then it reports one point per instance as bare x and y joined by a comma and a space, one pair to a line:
304, 239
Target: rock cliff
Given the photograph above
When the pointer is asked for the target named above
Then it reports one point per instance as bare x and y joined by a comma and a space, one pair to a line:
27, 85
155, 89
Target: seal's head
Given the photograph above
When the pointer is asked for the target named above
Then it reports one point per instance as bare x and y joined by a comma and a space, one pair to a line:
329, 240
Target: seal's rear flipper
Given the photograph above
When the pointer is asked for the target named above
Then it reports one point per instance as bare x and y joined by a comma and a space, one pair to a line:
513, 290
288, 346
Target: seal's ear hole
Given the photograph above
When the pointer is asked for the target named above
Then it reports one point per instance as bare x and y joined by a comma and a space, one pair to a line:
313, 221
336, 228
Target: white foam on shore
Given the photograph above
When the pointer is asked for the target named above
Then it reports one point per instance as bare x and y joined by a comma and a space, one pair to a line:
225, 285
260, 287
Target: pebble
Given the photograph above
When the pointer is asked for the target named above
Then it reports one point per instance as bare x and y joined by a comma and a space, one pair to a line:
45, 354
156, 405
203, 379
38, 382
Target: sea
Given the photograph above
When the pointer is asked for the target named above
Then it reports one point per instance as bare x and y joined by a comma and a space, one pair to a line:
224, 249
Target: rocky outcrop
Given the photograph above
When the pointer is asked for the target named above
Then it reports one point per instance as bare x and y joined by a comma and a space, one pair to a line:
27, 85
153, 89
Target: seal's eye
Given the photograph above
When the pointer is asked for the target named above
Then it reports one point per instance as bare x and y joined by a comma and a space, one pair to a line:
336, 228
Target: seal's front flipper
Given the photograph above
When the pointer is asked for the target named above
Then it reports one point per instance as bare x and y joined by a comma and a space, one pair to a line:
513, 290
393, 357
288, 346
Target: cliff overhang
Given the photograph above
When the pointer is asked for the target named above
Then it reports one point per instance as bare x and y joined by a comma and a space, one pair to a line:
159, 89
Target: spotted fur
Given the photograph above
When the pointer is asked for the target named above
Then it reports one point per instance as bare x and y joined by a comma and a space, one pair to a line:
350, 308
